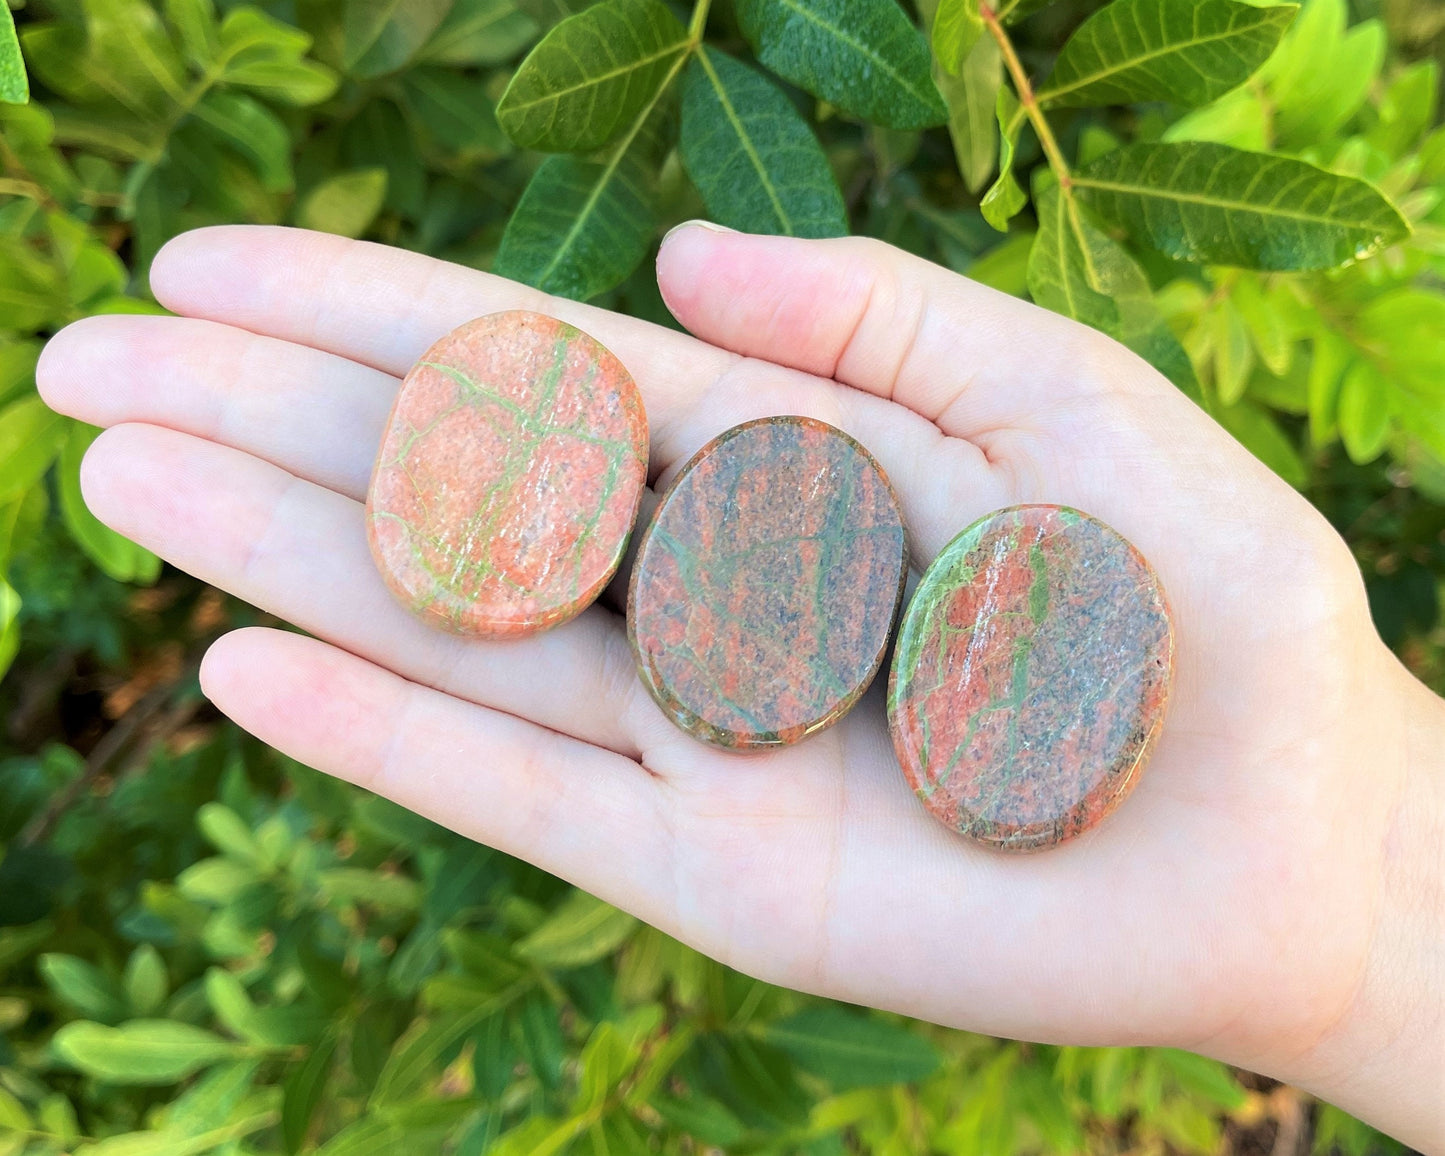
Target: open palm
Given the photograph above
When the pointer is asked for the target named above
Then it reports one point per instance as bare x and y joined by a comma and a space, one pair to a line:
1226, 907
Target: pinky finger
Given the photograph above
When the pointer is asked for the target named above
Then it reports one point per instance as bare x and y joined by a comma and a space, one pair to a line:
575, 810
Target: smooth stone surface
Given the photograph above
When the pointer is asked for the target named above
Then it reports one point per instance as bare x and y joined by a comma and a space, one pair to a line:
509, 476
1031, 677
767, 584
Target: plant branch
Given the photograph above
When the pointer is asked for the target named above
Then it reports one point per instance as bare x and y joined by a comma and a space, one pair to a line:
994, 22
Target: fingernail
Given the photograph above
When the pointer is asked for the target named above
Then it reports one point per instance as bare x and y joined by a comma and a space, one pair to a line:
696, 222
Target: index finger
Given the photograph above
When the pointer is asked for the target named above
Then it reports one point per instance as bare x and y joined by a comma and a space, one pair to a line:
383, 307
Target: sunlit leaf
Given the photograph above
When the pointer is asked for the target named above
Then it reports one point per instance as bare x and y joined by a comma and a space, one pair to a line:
1364, 413
141, 1051
31, 434
14, 85
957, 28
345, 204
1136, 50
862, 55
971, 97
146, 981
1199, 201
581, 930
755, 161
1321, 74
1233, 353
1005, 197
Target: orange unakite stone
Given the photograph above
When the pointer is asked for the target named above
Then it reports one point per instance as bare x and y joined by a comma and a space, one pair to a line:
509, 476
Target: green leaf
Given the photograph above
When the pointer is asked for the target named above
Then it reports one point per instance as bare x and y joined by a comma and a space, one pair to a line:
9, 626
1139, 50
852, 1050
971, 97
703, 1118
1077, 269
374, 888
1364, 411
1005, 197
302, 1092
264, 54
862, 55
1199, 1075
592, 75
13, 1113
231, 1002
209, 1102
1394, 328
1233, 353
365, 1137
1261, 435
755, 161
1005, 266
115, 554
381, 36
228, 833
480, 32
957, 28
581, 930
1329, 355
84, 987
146, 982
141, 1051
1197, 201
581, 227
17, 366
194, 23
345, 204
254, 131
1237, 118
417, 1055
1266, 321
31, 434
1321, 74
456, 110
1407, 109
216, 881
14, 84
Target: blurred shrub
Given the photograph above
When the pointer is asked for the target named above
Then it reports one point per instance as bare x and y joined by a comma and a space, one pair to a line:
206, 948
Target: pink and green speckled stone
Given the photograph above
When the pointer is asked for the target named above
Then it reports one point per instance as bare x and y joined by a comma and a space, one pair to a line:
509, 476
767, 584
1031, 677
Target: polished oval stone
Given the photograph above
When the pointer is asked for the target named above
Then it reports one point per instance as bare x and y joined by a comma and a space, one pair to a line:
1031, 677
767, 584
509, 476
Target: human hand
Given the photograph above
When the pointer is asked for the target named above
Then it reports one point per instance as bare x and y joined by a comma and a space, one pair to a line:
1253, 898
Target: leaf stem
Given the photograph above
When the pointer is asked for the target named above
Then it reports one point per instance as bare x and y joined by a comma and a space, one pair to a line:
698, 24
1027, 99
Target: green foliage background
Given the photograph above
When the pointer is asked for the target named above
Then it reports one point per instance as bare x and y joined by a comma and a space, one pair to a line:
207, 948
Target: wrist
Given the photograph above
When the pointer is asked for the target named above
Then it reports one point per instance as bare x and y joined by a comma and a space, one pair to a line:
1384, 1059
